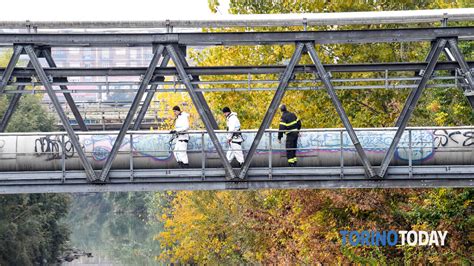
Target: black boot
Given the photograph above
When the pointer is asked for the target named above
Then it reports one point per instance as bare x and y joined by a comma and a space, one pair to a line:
180, 164
185, 165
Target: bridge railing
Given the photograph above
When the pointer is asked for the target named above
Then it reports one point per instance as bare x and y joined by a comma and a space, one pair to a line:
317, 148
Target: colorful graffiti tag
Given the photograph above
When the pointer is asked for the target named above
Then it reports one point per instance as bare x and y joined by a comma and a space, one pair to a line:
157, 146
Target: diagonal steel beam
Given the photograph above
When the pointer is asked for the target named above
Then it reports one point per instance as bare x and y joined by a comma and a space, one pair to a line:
458, 56
11, 65
199, 94
411, 103
267, 119
15, 99
419, 72
54, 99
131, 112
67, 96
149, 96
11, 107
455, 54
324, 76
178, 62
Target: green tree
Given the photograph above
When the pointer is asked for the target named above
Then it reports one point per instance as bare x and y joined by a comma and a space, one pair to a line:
31, 227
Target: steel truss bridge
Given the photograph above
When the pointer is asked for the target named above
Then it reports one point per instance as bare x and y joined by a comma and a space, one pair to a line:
171, 46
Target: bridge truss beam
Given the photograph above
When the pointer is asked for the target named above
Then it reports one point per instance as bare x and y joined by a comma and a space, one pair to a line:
236, 38
21, 72
304, 41
258, 178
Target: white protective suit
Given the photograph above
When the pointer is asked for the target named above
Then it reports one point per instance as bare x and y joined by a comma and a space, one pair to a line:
234, 139
181, 126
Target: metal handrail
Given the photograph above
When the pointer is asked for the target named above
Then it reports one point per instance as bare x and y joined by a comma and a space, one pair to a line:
262, 20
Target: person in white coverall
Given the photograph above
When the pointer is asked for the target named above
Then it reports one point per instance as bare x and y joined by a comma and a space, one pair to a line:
234, 138
181, 126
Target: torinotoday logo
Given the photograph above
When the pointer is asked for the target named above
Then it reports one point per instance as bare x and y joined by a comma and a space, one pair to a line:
393, 238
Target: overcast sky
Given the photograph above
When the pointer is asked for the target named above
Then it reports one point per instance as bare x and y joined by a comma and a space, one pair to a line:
59, 10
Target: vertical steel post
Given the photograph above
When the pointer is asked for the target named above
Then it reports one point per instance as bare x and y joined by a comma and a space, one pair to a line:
267, 120
131, 158
203, 158
54, 99
410, 154
63, 158
131, 113
199, 107
324, 76
70, 101
270, 170
411, 104
341, 134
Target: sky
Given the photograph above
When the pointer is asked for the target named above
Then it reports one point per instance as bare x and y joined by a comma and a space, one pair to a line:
81, 10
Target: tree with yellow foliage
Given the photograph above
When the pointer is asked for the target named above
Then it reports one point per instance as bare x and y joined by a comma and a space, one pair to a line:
301, 226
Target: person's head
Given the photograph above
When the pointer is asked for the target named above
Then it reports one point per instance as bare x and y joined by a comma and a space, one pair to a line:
283, 108
176, 110
226, 111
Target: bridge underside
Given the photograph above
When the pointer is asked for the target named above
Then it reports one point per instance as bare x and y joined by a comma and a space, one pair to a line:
258, 178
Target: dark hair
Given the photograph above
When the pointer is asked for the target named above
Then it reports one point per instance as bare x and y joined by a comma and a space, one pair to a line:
176, 108
283, 108
226, 110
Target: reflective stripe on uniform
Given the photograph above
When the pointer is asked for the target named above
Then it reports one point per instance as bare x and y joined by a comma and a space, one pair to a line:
289, 124
293, 160
291, 130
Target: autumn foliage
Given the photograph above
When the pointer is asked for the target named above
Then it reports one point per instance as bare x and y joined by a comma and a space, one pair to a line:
302, 226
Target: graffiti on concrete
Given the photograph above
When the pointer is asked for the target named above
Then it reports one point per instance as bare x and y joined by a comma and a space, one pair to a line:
157, 146
443, 138
153, 146
376, 142
424, 144
53, 147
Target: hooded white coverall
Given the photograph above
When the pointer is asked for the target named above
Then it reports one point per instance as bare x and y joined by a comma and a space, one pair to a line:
234, 139
181, 126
